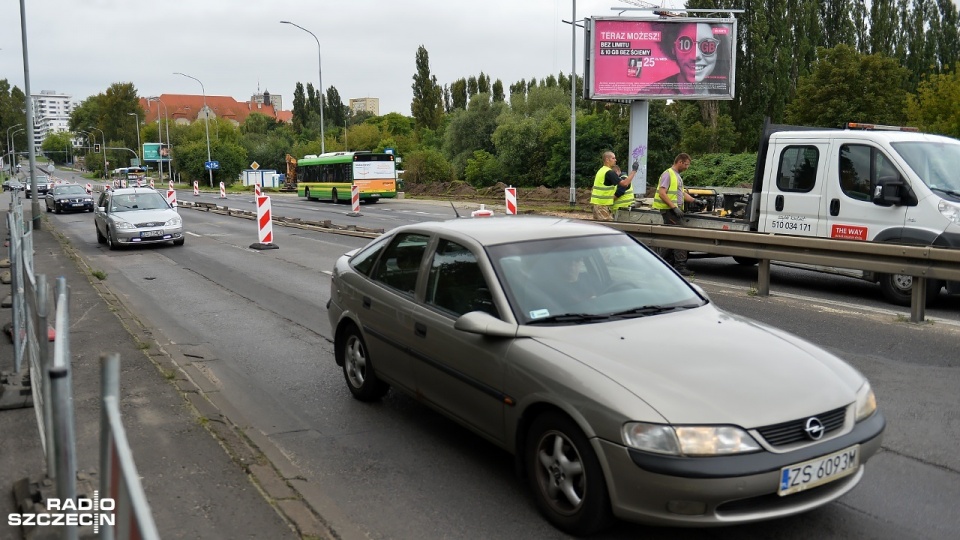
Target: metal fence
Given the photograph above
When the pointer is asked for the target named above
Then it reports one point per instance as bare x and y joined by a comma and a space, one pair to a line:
921, 262
51, 387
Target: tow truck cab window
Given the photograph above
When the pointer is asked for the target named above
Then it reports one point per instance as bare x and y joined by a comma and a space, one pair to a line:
861, 167
798, 169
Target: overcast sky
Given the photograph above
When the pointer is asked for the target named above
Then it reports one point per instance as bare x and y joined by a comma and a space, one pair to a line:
237, 47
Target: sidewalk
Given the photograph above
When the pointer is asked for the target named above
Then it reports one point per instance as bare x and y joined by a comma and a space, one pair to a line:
202, 475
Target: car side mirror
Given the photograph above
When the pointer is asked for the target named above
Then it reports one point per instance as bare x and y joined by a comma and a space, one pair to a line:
101, 209
484, 324
888, 191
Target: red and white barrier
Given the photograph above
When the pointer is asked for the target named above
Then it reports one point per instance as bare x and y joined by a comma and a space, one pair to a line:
256, 191
511, 194
152, 186
123, 182
196, 189
354, 201
89, 187
264, 220
172, 196
482, 212
223, 191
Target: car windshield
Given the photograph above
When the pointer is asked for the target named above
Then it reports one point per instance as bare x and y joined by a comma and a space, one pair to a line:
70, 190
137, 201
587, 279
934, 162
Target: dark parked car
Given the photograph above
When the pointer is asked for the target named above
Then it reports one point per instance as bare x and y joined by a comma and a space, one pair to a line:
43, 185
68, 198
569, 344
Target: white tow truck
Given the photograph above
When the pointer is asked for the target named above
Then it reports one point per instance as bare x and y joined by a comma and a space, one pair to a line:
865, 182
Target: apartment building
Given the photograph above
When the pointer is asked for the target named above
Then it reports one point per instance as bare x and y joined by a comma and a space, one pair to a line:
51, 114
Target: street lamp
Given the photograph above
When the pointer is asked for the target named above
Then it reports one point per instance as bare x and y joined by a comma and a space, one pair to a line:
15, 162
167, 118
103, 148
206, 124
13, 156
137, 116
323, 149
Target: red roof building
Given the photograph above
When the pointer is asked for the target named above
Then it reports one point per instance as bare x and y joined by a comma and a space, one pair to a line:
186, 109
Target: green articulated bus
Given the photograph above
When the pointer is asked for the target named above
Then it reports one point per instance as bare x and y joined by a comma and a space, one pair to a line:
330, 176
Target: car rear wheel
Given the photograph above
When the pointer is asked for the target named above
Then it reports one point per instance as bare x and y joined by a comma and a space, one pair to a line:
566, 477
357, 369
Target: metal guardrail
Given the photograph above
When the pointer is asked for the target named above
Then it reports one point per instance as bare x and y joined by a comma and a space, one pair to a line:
921, 262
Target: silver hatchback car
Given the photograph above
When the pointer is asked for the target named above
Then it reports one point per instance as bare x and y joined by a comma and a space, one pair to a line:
132, 216
569, 345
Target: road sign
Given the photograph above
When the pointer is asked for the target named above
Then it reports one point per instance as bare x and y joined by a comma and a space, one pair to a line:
212, 165
254, 165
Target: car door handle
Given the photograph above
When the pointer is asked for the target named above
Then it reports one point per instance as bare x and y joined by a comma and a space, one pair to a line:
367, 302
778, 203
420, 329
834, 207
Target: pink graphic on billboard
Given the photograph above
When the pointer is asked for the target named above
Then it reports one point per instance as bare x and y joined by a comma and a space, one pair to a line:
676, 59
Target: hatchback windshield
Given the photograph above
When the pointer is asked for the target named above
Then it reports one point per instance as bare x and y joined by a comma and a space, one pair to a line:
138, 201
587, 279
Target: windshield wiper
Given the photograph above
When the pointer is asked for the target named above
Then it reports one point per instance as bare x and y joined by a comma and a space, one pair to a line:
947, 191
575, 318
643, 311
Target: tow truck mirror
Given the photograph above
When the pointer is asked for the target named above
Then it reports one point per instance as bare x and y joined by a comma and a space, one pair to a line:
888, 191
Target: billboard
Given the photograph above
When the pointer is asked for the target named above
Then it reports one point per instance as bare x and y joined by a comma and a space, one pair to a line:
156, 152
676, 58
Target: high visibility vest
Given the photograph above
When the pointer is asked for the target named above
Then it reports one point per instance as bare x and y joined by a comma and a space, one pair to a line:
602, 194
624, 200
671, 192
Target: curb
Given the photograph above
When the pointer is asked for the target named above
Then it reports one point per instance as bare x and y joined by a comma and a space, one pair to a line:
279, 480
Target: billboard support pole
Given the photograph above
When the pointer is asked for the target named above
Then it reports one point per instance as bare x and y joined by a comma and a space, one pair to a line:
573, 106
639, 135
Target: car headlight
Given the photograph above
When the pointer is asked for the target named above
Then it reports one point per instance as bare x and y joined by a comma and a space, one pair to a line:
123, 225
950, 210
173, 222
688, 440
866, 402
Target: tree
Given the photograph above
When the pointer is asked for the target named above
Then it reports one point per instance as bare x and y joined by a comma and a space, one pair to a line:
56, 146
458, 94
427, 166
427, 104
335, 112
471, 130
498, 91
483, 169
300, 110
846, 86
936, 105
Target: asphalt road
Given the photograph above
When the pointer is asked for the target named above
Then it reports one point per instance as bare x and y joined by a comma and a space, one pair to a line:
256, 323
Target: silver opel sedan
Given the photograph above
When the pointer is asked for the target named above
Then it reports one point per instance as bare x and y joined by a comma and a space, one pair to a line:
569, 345
131, 216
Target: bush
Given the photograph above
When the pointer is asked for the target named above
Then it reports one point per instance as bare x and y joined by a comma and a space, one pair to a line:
725, 170
427, 166
483, 169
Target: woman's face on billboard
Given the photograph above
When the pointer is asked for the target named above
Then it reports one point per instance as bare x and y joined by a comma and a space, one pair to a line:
696, 52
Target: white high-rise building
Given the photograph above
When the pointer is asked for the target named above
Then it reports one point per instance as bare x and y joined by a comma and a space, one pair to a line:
51, 114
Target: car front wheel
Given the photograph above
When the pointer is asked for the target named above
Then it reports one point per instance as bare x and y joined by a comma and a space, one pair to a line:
101, 239
111, 241
358, 371
566, 477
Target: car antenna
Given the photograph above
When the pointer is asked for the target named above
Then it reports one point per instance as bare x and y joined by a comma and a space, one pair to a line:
454, 209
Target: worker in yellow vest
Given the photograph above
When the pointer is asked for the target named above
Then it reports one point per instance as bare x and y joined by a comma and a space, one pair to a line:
669, 200
605, 196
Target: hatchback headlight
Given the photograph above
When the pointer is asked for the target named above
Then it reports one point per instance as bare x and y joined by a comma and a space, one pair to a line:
866, 402
688, 440
173, 222
123, 224
950, 210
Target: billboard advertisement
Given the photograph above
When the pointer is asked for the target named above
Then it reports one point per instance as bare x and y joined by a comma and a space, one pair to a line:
676, 58
156, 152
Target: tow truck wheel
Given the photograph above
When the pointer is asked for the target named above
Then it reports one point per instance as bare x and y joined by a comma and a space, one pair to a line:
746, 261
897, 289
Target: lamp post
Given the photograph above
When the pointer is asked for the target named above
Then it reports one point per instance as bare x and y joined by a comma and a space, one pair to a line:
13, 156
137, 116
206, 124
323, 149
13, 144
103, 148
167, 118
573, 107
